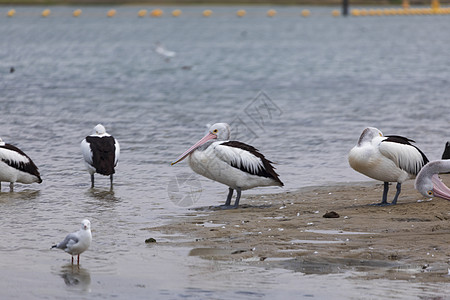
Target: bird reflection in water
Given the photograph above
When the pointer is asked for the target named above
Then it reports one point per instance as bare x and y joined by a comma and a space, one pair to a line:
76, 277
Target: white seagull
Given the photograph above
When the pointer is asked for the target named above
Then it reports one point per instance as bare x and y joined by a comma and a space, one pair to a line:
163, 51
16, 166
235, 164
101, 153
77, 242
428, 182
389, 158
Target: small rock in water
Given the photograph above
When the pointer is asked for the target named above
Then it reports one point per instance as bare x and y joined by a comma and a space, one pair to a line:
150, 240
331, 214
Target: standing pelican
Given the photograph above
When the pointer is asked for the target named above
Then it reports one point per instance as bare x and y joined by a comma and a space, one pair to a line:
77, 242
389, 158
16, 166
235, 164
101, 153
428, 182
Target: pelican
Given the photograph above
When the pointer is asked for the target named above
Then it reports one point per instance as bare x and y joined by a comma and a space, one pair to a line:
389, 158
428, 182
16, 166
101, 153
235, 164
446, 154
76, 243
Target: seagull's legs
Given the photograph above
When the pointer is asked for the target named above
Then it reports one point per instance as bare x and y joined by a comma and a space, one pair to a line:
11, 186
72, 260
111, 179
399, 189
92, 180
78, 260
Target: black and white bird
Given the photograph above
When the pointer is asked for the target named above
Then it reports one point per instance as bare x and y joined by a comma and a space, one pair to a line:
446, 153
16, 166
235, 164
77, 242
389, 158
428, 182
101, 153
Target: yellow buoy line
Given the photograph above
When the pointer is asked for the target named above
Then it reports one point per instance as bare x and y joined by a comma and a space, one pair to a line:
400, 11
271, 13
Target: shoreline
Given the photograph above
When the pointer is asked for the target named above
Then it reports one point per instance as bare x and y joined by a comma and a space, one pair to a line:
406, 241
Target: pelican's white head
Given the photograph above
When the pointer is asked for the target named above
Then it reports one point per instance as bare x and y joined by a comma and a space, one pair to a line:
369, 134
86, 224
2, 143
221, 130
218, 131
99, 130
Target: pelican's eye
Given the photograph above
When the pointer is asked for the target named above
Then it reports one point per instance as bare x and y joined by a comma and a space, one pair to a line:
215, 131
430, 193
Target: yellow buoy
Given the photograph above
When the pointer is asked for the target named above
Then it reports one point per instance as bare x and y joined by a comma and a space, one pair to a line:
46, 12
176, 13
241, 13
271, 12
405, 4
435, 5
306, 13
207, 12
111, 13
76, 12
11, 13
335, 13
355, 12
142, 13
156, 13
364, 12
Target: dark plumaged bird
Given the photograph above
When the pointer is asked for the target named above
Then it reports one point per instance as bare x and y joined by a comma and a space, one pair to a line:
77, 242
16, 166
235, 164
101, 153
446, 154
389, 158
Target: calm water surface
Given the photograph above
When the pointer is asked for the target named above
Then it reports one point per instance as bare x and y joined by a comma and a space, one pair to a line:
299, 89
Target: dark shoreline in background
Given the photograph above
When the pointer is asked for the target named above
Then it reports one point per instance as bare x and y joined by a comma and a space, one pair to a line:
215, 2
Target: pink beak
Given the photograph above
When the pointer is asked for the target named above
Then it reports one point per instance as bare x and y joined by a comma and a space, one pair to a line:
206, 138
440, 189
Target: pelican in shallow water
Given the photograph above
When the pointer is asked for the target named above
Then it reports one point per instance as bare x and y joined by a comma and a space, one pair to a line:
101, 153
389, 158
16, 166
235, 164
76, 243
428, 182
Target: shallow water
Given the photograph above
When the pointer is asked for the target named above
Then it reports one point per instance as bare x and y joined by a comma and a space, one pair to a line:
299, 89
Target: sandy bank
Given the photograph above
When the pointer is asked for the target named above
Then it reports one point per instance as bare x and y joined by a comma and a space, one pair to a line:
409, 240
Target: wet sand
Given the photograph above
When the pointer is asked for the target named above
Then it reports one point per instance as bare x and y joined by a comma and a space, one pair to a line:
408, 241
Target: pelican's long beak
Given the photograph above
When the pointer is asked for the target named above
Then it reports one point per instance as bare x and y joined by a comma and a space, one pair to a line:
440, 189
206, 138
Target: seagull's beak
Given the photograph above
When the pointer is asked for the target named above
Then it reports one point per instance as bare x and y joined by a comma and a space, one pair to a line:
439, 188
206, 138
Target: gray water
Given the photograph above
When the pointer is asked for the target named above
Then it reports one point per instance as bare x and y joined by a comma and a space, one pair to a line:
301, 90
